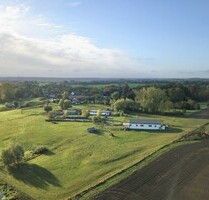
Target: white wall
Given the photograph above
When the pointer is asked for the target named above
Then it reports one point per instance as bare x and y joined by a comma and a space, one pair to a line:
144, 126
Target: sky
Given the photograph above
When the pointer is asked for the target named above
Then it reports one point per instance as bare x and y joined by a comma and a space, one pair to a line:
104, 38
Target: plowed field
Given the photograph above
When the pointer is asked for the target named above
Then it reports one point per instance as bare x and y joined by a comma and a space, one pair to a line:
180, 174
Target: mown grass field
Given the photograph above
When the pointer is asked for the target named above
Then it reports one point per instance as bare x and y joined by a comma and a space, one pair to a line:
77, 159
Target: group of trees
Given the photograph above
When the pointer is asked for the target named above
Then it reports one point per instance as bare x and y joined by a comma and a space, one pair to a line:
155, 99
13, 91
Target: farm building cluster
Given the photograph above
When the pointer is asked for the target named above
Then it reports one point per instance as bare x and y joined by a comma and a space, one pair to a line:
133, 124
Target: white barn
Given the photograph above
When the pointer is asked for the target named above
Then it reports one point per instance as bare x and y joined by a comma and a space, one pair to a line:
141, 124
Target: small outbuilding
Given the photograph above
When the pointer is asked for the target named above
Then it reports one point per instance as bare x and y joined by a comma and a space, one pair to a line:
103, 112
144, 124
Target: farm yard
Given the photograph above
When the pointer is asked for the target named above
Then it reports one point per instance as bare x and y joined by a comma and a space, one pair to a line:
78, 160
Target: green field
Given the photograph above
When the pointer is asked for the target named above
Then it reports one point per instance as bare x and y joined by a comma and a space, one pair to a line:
100, 85
77, 160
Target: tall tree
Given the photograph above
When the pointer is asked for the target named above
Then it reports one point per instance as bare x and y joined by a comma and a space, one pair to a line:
151, 99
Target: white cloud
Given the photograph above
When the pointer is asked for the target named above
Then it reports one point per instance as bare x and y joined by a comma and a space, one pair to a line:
33, 46
74, 3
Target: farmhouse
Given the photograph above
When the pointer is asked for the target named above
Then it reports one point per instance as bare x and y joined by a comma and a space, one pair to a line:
141, 124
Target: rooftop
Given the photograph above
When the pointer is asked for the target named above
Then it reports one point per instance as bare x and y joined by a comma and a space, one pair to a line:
144, 121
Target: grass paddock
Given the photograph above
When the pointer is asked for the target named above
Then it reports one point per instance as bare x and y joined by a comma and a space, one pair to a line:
77, 159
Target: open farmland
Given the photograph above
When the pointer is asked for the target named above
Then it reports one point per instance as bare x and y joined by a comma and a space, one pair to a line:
181, 173
77, 160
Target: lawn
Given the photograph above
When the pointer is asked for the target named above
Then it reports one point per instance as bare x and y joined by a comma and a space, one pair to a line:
77, 159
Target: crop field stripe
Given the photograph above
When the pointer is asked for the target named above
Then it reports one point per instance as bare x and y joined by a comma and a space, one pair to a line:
153, 182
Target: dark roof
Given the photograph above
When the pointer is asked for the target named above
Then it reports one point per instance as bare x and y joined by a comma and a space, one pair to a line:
144, 121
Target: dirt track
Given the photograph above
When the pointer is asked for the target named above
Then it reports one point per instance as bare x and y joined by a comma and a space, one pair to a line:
181, 174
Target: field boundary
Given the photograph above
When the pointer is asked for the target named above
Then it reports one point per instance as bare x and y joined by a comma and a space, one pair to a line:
165, 147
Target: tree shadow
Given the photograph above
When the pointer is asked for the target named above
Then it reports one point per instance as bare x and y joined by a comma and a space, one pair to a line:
33, 175
167, 130
173, 130
99, 132
49, 153
170, 130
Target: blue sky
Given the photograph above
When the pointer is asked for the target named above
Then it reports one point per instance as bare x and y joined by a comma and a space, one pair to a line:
105, 38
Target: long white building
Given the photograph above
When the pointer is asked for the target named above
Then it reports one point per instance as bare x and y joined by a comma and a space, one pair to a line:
141, 124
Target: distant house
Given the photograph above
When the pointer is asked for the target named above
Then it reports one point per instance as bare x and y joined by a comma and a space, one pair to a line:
142, 124
103, 113
106, 113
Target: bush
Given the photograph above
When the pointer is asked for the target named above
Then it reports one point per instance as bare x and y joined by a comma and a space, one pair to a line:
16, 104
96, 119
40, 150
116, 114
48, 108
197, 134
25, 105
18, 152
55, 114
85, 113
9, 105
13, 155
7, 157
28, 155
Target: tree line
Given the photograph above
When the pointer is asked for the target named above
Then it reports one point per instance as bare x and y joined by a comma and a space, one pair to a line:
147, 98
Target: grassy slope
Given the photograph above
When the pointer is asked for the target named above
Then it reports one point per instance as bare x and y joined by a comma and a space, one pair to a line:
79, 159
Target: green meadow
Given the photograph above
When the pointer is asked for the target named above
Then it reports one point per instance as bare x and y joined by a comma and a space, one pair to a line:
77, 159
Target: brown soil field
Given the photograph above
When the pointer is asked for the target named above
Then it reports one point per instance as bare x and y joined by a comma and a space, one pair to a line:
180, 174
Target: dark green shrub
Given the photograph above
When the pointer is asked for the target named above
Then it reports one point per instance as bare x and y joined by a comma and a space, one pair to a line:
40, 150
48, 108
